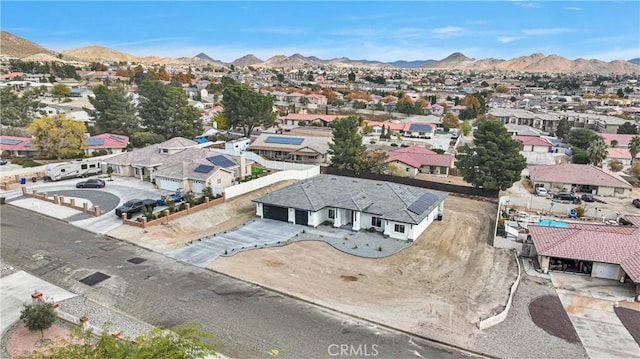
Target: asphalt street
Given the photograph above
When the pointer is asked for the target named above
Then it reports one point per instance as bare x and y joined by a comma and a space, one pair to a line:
247, 321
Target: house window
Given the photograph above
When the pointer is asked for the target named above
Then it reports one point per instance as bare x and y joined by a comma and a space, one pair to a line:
219, 181
332, 213
399, 228
376, 221
443, 170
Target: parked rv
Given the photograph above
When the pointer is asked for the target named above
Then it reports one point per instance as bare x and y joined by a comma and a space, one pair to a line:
72, 169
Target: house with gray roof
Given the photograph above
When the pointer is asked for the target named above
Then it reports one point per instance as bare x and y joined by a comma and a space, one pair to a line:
181, 163
398, 211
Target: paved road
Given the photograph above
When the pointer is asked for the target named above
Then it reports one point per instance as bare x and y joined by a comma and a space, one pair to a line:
247, 321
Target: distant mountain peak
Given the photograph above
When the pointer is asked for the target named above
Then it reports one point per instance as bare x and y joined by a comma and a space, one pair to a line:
206, 57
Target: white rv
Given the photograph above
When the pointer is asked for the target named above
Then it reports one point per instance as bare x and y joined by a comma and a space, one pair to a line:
73, 169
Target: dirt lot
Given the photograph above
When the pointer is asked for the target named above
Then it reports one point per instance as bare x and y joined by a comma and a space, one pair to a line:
440, 287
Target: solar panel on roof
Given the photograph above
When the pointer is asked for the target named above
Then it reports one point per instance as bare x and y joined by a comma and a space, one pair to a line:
203, 169
117, 138
95, 141
420, 128
284, 140
221, 161
421, 204
9, 141
28, 144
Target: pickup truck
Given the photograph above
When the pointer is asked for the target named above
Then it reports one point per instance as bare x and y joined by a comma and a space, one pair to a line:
134, 206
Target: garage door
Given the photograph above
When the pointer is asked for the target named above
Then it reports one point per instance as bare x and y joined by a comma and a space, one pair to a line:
170, 184
302, 217
605, 270
275, 212
197, 186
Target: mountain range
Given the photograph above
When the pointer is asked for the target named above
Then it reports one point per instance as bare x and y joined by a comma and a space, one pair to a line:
17, 47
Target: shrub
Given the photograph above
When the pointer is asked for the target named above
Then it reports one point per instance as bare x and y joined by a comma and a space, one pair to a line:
394, 145
580, 211
371, 229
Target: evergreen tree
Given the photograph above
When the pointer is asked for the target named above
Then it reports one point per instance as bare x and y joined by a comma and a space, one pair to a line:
247, 109
347, 149
634, 147
38, 316
114, 112
494, 161
627, 128
597, 151
563, 128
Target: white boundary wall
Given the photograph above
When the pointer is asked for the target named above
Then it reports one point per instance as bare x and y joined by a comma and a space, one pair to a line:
246, 187
498, 318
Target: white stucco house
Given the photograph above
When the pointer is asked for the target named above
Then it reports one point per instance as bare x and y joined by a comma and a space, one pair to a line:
396, 210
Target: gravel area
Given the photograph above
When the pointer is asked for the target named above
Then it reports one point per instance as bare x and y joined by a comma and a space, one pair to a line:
519, 337
631, 320
105, 318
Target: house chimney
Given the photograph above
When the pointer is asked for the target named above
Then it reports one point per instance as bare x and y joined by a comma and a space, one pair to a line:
243, 166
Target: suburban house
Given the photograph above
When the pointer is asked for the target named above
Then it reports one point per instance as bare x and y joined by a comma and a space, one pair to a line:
619, 154
398, 211
107, 142
417, 159
578, 178
299, 149
13, 146
180, 163
617, 140
418, 129
602, 251
533, 144
307, 119
390, 127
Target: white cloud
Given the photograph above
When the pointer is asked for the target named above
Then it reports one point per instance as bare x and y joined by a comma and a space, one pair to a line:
573, 8
547, 31
447, 30
508, 39
522, 3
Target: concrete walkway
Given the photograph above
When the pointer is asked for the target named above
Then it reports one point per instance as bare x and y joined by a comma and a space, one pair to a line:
589, 302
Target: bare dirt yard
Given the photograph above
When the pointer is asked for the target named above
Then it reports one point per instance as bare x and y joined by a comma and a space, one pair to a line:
440, 287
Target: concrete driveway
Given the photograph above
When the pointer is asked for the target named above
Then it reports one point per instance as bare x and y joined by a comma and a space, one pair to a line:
258, 233
589, 303
117, 191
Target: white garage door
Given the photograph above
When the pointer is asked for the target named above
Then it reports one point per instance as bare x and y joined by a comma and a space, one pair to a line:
170, 184
197, 186
606, 270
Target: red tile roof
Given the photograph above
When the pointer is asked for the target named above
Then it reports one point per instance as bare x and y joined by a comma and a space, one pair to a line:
623, 153
576, 174
388, 125
623, 139
14, 143
592, 242
532, 141
417, 156
106, 140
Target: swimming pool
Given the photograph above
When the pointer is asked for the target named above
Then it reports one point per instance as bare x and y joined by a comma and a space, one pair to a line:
552, 223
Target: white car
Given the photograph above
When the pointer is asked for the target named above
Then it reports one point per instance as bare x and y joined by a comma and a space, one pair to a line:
541, 191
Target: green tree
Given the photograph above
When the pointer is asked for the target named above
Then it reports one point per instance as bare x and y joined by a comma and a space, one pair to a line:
280, 77
57, 137
60, 90
38, 316
634, 147
181, 342
405, 105
221, 121
579, 156
247, 109
494, 161
597, 151
465, 128
165, 110
563, 129
352, 76
114, 111
143, 139
581, 137
347, 149
627, 128
16, 110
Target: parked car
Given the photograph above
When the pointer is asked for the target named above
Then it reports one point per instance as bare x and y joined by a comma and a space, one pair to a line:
567, 196
91, 183
636, 202
134, 206
541, 191
588, 197
3, 161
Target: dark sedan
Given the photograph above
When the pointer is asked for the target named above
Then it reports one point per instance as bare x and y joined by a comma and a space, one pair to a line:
91, 183
588, 197
636, 202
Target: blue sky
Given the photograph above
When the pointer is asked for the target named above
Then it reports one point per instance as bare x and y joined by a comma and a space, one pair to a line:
372, 30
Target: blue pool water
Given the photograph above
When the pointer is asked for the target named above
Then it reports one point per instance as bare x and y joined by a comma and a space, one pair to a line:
552, 223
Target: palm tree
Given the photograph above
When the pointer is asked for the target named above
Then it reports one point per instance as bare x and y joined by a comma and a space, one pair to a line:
634, 147
597, 151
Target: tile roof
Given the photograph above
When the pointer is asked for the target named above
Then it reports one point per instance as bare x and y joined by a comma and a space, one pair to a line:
106, 140
15, 143
388, 200
532, 141
418, 156
623, 139
622, 153
310, 117
388, 125
592, 242
576, 174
